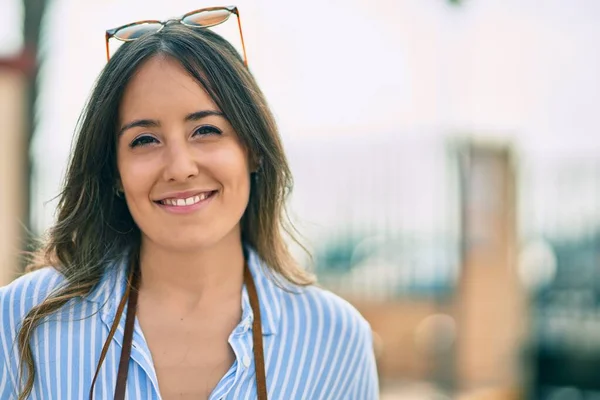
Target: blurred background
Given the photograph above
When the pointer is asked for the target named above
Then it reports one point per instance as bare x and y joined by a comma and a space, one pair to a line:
447, 163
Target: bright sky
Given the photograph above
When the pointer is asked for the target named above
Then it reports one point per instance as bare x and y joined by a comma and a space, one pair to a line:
347, 71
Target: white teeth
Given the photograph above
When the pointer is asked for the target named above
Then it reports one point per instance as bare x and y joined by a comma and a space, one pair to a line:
186, 202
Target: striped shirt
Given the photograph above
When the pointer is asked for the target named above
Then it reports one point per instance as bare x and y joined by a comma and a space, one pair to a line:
316, 345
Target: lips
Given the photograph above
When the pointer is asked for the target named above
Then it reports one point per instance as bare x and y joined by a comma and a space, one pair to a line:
186, 201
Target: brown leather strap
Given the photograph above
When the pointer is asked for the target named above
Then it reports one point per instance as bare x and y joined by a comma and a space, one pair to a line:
127, 338
259, 360
111, 333
132, 294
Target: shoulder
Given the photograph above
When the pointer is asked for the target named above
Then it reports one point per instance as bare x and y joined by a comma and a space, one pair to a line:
317, 322
322, 317
328, 315
24, 293
316, 302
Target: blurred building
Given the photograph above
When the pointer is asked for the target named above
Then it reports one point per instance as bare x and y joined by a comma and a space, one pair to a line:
490, 307
422, 238
477, 268
13, 79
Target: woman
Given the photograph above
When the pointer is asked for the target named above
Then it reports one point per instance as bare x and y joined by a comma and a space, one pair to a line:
169, 276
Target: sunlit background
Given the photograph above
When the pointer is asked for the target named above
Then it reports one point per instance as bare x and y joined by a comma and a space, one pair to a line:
446, 157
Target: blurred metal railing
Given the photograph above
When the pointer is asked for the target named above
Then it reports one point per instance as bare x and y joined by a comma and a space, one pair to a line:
380, 213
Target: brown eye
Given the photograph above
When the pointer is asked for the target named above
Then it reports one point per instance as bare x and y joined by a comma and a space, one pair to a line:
143, 141
205, 130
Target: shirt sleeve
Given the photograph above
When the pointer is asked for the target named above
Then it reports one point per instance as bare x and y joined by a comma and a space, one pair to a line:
366, 383
7, 388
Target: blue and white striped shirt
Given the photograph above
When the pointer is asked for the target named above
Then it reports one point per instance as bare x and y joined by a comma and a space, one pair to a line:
317, 346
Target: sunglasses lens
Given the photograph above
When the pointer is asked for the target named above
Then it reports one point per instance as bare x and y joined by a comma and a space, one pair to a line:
207, 18
135, 31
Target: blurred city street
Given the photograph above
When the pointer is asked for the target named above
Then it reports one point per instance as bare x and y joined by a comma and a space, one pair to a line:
446, 160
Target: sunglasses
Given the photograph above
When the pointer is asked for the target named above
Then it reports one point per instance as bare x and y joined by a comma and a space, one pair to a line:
202, 18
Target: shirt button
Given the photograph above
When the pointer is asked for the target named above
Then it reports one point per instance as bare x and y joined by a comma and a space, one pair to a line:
246, 361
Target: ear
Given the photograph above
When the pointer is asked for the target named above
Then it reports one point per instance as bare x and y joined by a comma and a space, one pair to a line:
119, 185
255, 163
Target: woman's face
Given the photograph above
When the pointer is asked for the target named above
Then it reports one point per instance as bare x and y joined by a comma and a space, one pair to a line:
182, 167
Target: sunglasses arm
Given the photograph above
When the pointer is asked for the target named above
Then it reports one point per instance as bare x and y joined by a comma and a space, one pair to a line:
242, 37
107, 55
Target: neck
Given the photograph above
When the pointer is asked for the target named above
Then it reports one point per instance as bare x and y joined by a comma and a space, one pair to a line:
188, 279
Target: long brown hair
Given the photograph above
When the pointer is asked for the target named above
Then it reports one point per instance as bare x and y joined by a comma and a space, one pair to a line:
94, 227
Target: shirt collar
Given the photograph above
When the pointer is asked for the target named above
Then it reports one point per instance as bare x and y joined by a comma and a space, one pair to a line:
269, 293
111, 285
109, 291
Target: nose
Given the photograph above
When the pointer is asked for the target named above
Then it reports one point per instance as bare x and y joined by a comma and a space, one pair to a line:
180, 164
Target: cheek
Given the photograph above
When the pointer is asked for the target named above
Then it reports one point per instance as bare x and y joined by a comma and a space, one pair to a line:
229, 161
230, 168
137, 177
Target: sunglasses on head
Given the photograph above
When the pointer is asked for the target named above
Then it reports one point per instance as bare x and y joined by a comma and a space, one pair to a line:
202, 18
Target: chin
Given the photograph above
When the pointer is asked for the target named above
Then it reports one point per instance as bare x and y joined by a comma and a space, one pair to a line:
195, 240
189, 245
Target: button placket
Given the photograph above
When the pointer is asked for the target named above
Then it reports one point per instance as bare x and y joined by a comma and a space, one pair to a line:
240, 342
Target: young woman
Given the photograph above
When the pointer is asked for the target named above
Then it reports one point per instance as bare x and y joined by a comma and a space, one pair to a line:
166, 274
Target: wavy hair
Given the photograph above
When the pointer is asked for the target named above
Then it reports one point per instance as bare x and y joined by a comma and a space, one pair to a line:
94, 227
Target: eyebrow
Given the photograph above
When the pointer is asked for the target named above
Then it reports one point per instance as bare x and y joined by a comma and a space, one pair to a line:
152, 123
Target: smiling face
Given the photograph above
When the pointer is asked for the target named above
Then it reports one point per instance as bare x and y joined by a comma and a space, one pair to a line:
183, 169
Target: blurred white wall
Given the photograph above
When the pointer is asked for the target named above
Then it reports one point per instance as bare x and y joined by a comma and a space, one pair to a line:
351, 70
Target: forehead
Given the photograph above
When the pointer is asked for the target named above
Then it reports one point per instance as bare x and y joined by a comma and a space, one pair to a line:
161, 86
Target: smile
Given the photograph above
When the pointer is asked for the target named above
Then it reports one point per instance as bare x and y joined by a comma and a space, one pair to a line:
187, 201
